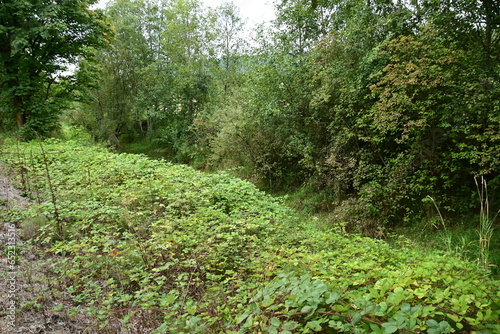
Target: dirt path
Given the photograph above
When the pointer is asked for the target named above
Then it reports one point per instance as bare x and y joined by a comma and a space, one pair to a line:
28, 302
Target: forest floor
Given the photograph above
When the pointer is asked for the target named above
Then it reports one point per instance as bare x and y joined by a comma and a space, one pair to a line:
28, 302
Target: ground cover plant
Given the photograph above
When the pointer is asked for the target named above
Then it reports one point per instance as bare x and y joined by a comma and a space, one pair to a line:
145, 245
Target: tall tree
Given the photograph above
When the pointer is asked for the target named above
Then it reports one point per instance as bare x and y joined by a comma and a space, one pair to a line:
473, 24
155, 78
39, 39
229, 42
114, 110
301, 23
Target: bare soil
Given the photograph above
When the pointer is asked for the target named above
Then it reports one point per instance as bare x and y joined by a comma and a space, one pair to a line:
28, 301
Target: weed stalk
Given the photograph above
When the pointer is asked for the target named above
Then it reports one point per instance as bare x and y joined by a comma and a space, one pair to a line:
32, 165
22, 167
52, 193
485, 223
438, 211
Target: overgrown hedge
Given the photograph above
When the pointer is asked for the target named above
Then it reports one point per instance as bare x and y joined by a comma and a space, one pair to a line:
139, 242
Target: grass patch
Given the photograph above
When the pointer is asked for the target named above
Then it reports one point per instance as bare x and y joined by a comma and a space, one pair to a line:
145, 146
461, 238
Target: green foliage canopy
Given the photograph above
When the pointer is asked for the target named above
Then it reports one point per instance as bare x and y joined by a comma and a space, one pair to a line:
39, 39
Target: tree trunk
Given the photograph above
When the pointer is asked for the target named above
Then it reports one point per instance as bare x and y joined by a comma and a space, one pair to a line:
150, 124
488, 30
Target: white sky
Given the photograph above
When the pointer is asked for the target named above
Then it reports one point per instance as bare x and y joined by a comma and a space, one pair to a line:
254, 11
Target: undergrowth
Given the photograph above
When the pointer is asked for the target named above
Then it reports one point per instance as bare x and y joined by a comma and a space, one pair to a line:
139, 242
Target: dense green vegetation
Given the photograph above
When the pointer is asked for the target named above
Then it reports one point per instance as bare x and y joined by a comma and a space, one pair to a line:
375, 105
372, 117
39, 39
142, 243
